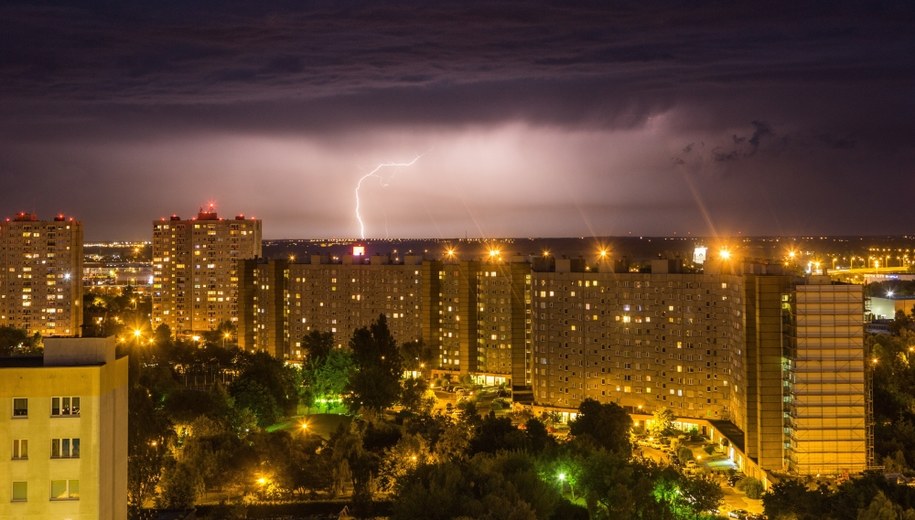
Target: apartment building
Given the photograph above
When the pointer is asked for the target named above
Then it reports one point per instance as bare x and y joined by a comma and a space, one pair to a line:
287, 300
64, 418
195, 269
779, 358
40, 275
644, 341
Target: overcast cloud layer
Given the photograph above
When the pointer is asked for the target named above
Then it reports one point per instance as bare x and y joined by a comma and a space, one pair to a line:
533, 119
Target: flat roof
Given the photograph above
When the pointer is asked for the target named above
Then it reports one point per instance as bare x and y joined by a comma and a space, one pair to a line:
734, 434
21, 361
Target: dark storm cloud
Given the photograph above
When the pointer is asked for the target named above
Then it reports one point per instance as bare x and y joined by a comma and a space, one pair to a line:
105, 92
213, 64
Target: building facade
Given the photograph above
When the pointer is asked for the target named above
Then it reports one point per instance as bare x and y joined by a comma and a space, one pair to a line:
287, 300
40, 275
779, 358
195, 269
827, 418
64, 418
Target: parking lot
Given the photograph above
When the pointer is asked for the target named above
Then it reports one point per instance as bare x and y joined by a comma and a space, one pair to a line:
735, 503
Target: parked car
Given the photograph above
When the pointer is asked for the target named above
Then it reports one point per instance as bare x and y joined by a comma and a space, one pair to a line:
739, 514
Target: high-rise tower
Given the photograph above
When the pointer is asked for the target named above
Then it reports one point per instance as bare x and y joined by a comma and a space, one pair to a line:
195, 269
41, 264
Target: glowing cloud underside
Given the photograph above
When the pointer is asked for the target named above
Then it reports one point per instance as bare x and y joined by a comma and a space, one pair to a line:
374, 173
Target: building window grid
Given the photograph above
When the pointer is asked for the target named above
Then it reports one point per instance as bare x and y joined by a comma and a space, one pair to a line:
66, 448
68, 406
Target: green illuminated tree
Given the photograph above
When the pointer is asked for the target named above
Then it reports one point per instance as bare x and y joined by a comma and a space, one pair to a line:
324, 379
662, 421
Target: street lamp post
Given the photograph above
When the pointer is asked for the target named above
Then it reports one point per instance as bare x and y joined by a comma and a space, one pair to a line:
563, 479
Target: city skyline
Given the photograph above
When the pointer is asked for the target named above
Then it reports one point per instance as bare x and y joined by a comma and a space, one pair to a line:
530, 119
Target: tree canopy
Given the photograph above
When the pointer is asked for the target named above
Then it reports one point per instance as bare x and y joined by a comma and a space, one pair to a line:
607, 424
375, 381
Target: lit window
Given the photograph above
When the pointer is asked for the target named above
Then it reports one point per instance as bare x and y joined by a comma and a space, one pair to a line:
20, 407
64, 406
64, 490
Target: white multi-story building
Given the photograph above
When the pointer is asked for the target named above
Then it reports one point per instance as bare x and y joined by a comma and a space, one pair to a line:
63, 432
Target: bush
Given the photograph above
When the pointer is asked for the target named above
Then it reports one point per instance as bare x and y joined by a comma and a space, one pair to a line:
709, 448
684, 454
751, 486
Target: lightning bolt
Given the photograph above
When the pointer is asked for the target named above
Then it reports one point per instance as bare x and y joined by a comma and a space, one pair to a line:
374, 173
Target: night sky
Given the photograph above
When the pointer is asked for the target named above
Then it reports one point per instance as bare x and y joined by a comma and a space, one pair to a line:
531, 119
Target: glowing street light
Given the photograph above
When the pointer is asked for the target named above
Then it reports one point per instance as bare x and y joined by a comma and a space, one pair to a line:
563, 479
724, 254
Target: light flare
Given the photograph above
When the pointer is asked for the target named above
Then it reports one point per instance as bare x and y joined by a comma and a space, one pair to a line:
374, 173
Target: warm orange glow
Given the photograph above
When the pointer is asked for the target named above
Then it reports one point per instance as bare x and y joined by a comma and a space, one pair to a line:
724, 254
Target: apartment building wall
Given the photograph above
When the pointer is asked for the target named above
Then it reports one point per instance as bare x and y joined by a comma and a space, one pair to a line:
502, 337
827, 422
766, 362
643, 341
262, 307
42, 474
342, 297
458, 312
41, 263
